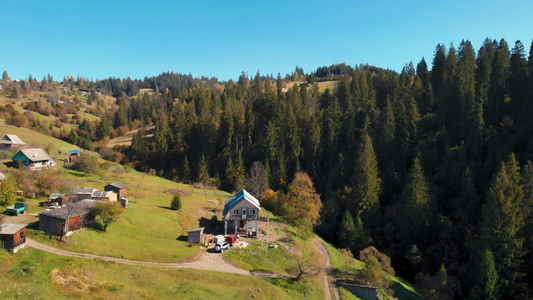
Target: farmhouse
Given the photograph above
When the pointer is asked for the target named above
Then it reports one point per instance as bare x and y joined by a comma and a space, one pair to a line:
60, 199
77, 214
33, 159
241, 213
13, 236
10, 141
118, 188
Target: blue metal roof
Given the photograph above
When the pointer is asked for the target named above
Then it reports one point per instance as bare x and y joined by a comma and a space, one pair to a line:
75, 151
242, 195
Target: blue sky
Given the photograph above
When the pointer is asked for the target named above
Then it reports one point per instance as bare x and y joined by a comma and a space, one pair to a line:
100, 39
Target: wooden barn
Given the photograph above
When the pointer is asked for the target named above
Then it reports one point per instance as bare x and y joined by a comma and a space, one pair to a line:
10, 141
81, 193
33, 159
241, 213
119, 188
195, 235
13, 236
59, 199
78, 215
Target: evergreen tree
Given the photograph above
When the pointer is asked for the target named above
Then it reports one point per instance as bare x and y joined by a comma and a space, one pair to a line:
486, 278
366, 183
186, 171
347, 238
203, 170
502, 224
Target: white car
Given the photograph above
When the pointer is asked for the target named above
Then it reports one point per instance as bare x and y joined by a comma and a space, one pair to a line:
220, 247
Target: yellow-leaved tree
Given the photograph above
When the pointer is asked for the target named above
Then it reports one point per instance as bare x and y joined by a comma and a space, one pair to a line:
303, 202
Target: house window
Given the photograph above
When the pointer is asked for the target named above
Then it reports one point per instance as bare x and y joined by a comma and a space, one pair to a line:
251, 212
235, 211
21, 235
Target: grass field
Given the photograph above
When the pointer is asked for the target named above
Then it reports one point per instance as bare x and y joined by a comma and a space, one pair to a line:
33, 274
31, 137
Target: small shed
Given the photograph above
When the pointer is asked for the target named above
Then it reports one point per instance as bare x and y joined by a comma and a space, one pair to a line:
81, 193
73, 155
60, 199
104, 195
119, 188
13, 236
195, 235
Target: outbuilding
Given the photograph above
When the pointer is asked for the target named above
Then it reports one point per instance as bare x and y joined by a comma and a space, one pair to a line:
13, 236
195, 235
119, 188
60, 199
78, 215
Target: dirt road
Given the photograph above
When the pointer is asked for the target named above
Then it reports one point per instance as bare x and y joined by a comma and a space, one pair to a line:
327, 274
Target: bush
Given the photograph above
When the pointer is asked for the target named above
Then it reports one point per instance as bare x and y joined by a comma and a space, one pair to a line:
175, 204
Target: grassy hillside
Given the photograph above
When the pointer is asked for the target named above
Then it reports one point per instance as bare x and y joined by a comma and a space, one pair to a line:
32, 138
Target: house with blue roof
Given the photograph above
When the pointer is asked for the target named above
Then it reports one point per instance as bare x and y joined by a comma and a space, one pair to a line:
241, 213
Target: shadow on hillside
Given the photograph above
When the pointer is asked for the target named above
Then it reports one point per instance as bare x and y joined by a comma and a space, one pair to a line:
165, 207
208, 228
182, 238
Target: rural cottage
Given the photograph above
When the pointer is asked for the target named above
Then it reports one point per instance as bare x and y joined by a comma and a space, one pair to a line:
241, 213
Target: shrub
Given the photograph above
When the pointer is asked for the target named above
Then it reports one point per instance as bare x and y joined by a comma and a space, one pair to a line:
175, 204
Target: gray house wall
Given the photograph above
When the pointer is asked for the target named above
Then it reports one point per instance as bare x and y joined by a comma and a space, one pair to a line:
233, 221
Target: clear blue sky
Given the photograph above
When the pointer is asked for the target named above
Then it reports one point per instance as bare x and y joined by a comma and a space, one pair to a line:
100, 39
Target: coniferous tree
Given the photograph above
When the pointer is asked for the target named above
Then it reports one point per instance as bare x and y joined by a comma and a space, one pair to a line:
203, 170
186, 171
502, 224
485, 287
366, 183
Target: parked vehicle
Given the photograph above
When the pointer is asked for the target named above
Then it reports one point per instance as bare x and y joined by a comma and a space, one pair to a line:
232, 239
220, 247
18, 208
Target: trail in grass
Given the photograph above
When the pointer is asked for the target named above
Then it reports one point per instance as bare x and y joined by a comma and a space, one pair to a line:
327, 274
208, 261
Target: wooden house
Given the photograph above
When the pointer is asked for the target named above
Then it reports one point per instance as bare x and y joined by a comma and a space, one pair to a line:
65, 220
60, 199
241, 213
13, 236
118, 188
10, 141
33, 159
195, 235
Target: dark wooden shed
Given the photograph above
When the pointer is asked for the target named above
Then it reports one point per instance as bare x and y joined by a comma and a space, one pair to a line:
119, 188
60, 199
78, 215
13, 236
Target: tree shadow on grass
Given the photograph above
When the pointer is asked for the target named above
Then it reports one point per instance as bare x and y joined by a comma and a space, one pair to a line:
165, 207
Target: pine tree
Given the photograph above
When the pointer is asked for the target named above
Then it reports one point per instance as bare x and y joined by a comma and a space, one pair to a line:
366, 183
203, 170
186, 171
502, 224
486, 278
347, 232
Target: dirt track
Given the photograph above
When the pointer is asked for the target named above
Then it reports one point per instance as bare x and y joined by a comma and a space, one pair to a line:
327, 274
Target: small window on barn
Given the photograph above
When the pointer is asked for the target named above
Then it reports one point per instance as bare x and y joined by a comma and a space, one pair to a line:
251, 212
21, 235
235, 211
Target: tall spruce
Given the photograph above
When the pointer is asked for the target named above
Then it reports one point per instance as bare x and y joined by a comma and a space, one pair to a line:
366, 184
502, 224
